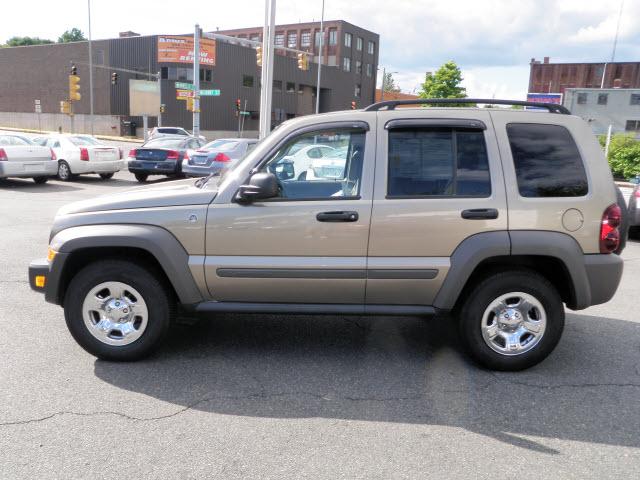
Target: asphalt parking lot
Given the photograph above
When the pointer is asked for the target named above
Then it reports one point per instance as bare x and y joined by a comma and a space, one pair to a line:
255, 396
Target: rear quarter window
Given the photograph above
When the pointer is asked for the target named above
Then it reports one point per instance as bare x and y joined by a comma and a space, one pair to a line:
547, 161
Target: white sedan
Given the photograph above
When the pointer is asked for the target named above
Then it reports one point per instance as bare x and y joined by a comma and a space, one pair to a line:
81, 154
20, 157
305, 157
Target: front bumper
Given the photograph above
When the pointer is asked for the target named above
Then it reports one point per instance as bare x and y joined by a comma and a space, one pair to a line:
52, 273
603, 274
45, 168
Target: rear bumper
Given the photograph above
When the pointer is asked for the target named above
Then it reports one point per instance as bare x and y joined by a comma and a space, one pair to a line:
603, 274
45, 168
98, 167
154, 168
201, 170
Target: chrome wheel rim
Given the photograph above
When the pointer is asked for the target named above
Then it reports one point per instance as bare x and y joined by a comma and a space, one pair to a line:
514, 323
63, 171
115, 313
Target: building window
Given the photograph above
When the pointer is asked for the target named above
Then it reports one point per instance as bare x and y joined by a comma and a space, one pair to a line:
205, 75
632, 126
305, 38
547, 161
291, 87
346, 64
164, 73
358, 43
437, 162
602, 98
357, 90
333, 36
277, 86
371, 47
247, 81
292, 40
279, 40
635, 99
318, 35
582, 98
347, 40
358, 66
369, 70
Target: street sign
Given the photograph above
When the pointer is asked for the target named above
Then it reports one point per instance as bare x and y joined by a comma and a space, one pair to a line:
184, 94
245, 113
209, 93
184, 86
38, 106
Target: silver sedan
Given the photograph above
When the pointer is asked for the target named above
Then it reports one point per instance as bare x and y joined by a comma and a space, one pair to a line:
20, 157
216, 156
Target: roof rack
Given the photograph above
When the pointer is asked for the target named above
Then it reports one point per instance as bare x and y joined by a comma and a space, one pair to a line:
391, 104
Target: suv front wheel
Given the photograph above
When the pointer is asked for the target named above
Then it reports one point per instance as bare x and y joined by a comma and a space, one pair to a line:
117, 310
511, 321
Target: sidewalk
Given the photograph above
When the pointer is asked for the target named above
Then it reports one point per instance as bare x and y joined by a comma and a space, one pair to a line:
101, 137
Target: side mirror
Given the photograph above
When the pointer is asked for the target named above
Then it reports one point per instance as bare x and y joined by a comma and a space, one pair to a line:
261, 185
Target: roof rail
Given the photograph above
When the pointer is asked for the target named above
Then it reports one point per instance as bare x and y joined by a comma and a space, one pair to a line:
392, 104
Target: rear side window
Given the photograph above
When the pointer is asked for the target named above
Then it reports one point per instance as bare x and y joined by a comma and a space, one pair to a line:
547, 161
426, 162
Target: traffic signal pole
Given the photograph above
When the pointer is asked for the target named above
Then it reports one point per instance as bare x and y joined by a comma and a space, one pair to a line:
196, 81
267, 67
90, 70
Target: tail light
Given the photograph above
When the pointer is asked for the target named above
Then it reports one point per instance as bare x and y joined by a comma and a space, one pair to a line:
172, 155
221, 157
609, 233
636, 193
3, 155
53, 155
84, 154
133, 152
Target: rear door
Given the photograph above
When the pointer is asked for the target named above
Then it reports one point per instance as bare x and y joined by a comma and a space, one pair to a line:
438, 182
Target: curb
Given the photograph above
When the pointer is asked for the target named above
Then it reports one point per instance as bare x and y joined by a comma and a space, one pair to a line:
101, 137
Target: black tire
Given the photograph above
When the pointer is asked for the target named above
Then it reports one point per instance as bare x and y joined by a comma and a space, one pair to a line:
106, 176
158, 298
40, 180
64, 171
141, 177
480, 297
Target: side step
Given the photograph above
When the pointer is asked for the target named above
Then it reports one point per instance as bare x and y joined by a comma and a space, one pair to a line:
313, 308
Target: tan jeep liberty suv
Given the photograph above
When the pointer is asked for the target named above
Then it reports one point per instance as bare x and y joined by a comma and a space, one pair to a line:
498, 215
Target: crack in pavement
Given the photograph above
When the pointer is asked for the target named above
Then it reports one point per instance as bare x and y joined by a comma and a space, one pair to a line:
562, 385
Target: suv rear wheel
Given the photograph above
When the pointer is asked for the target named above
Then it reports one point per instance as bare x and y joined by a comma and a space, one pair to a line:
117, 310
511, 321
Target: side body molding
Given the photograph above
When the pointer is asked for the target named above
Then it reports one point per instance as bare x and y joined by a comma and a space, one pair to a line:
466, 257
159, 242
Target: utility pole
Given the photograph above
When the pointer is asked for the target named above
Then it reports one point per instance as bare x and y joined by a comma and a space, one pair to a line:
320, 59
267, 67
384, 74
90, 70
196, 81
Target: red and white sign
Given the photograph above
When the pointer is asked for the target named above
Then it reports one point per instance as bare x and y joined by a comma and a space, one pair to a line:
175, 49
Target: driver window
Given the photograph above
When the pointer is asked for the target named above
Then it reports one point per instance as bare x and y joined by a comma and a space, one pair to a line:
320, 165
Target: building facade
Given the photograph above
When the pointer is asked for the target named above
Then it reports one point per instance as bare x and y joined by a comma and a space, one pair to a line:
41, 72
547, 77
601, 107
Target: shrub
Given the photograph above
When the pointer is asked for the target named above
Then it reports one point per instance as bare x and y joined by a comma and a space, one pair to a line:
624, 155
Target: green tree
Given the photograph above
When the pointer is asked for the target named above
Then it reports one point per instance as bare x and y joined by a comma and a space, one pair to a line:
389, 84
444, 83
73, 35
23, 41
624, 155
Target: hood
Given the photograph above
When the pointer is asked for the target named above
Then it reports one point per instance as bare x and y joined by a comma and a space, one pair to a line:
169, 194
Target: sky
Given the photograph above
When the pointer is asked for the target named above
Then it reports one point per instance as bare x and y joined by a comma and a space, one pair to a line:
492, 41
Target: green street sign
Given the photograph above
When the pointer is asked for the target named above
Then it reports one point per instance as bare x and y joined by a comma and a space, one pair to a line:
245, 113
209, 93
184, 86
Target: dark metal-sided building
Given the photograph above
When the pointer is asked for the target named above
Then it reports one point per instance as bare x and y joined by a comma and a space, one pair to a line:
350, 59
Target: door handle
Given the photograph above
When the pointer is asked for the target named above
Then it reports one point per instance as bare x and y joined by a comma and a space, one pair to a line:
480, 214
337, 217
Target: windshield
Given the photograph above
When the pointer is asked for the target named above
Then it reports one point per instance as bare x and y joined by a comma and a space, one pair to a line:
223, 145
164, 143
83, 141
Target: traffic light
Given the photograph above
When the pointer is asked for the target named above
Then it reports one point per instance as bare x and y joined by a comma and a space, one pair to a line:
114, 78
163, 108
259, 55
74, 87
65, 107
353, 105
74, 70
190, 104
237, 106
303, 63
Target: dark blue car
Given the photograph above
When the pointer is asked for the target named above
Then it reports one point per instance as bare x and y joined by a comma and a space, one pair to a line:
162, 156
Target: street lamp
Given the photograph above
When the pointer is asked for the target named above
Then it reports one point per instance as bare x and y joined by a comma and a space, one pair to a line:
384, 74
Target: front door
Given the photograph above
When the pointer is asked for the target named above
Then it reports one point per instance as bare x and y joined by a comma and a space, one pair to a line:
308, 244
